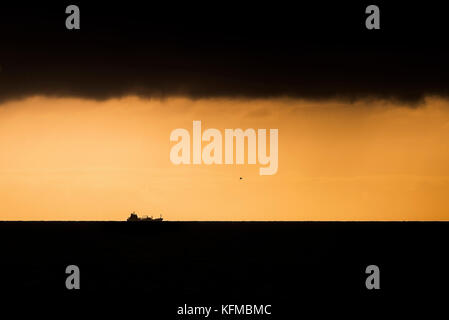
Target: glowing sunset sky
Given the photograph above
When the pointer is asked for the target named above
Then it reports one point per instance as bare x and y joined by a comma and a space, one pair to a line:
77, 159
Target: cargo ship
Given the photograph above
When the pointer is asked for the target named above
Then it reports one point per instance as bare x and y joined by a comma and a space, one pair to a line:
134, 217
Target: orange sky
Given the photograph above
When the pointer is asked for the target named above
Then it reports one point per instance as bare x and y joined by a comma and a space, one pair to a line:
72, 159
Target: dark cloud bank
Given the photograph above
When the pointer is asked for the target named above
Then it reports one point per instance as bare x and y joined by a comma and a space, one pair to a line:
224, 50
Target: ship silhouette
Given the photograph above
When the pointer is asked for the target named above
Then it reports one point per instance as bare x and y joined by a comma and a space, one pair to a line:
134, 217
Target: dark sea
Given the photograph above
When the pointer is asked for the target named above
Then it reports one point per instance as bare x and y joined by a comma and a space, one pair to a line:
156, 268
